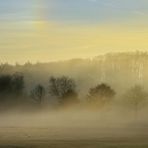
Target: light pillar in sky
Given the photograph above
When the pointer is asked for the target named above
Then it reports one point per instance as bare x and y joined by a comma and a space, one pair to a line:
40, 15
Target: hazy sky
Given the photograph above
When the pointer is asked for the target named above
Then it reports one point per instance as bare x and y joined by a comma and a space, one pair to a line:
45, 30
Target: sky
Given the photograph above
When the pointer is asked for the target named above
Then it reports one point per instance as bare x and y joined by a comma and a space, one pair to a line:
51, 30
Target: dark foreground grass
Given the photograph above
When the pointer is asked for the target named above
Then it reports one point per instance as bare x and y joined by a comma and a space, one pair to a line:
76, 144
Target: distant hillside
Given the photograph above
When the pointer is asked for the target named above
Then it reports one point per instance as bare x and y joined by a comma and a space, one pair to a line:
121, 70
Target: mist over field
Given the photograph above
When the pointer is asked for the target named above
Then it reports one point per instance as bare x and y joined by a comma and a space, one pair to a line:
104, 99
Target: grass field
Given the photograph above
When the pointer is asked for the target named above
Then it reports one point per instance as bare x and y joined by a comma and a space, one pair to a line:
30, 137
72, 129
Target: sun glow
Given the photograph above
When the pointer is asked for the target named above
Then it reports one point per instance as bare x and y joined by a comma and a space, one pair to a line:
44, 39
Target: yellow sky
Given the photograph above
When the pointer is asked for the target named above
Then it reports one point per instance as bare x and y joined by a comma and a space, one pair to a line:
46, 41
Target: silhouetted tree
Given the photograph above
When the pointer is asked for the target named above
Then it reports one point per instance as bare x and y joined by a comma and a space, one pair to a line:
63, 88
38, 93
17, 84
11, 85
102, 93
5, 84
136, 98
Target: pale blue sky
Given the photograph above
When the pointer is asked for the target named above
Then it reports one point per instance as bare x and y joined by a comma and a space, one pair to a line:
49, 30
91, 11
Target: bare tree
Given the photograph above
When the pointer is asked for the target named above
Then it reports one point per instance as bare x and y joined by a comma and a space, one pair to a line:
136, 98
63, 88
38, 93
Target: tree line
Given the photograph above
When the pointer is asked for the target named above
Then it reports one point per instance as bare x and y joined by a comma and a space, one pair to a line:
64, 89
